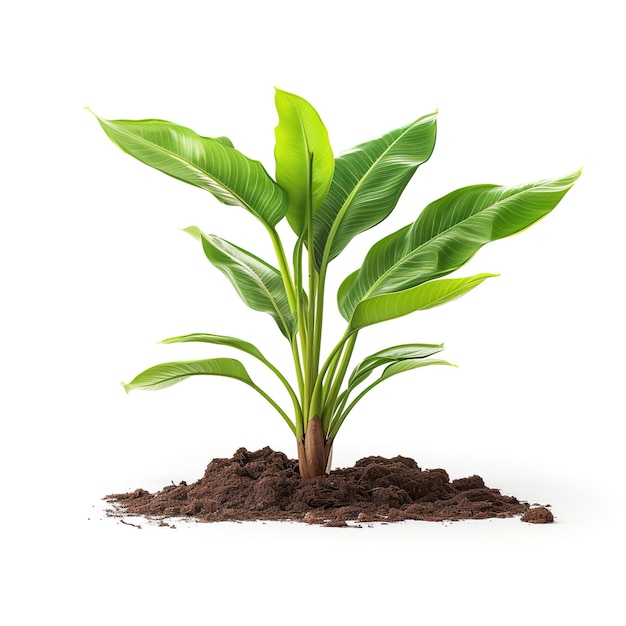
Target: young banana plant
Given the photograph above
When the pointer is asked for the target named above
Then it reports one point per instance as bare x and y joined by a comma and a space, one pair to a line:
328, 201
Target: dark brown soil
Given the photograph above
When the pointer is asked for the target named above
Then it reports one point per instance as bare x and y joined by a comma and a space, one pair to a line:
266, 485
538, 515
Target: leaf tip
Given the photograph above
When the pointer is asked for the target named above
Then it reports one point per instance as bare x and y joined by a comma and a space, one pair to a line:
127, 387
194, 231
87, 108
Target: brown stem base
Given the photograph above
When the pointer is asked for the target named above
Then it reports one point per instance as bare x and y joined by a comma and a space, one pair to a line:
314, 450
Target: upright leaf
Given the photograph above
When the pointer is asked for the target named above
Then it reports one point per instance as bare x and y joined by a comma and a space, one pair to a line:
258, 284
205, 162
368, 182
304, 158
447, 234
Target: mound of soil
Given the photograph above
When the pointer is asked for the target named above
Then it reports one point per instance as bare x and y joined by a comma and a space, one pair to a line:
266, 485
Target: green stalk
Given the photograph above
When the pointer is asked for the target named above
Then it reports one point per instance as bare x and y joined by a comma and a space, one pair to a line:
339, 418
293, 299
331, 399
294, 399
319, 305
284, 269
312, 355
319, 314
276, 406
300, 303
317, 390
330, 377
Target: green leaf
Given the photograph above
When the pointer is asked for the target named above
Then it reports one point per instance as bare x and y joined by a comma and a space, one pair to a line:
225, 141
168, 374
391, 355
205, 162
258, 284
398, 367
304, 158
447, 234
367, 184
244, 346
222, 340
388, 306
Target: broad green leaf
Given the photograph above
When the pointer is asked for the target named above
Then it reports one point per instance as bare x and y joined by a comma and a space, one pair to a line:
304, 158
168, 374
244, 346
258, 284
388, 306
367, 184
391, 355
205, 162
398, 367
225, 141
447, 234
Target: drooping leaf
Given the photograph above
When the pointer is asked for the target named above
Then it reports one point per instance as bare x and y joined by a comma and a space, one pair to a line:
304, 158
258, 284
222, 340
388, 306
238, 344
368, 182
168, 374
447, 234
205, 162
391, 355
397, 367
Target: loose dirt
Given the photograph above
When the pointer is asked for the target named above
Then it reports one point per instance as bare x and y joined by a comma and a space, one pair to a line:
266, 485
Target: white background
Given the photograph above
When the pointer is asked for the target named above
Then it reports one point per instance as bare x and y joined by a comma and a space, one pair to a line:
95, 272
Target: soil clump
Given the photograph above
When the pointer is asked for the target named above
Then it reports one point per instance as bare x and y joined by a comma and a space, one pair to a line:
266, 485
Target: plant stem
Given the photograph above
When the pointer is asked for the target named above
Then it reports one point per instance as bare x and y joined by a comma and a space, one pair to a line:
331, 399
302, 306
330, 377
317, 390
284, 269
293, 297
276, 406
312, 356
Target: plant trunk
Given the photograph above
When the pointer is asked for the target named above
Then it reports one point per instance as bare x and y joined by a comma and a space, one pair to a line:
314, 450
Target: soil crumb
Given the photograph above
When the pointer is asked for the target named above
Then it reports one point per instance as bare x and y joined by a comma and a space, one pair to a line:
538, 515
266, 485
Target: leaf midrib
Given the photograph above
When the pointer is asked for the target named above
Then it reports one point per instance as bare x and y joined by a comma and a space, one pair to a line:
264, 288
183, 376
180, 159
339, 218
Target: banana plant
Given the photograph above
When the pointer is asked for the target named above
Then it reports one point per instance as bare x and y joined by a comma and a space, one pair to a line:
326, 202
